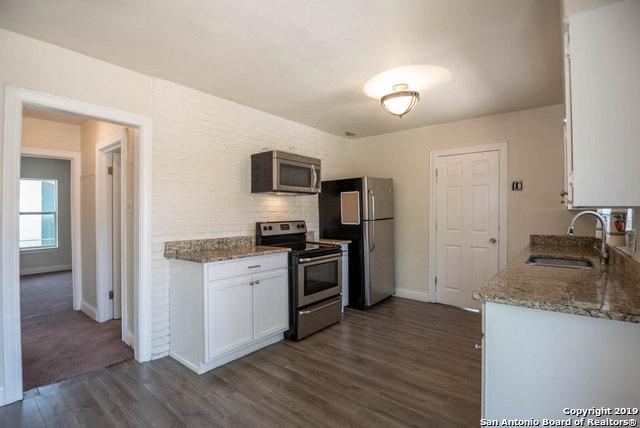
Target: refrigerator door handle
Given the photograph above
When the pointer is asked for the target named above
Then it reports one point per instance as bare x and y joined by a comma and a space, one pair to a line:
372, 241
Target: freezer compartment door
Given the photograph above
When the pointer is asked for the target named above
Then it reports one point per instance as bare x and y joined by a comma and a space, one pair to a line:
377, 198
379, 260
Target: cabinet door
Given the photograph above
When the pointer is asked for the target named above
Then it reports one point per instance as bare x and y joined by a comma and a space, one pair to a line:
604, 87
229, 315
270, 303
567, 192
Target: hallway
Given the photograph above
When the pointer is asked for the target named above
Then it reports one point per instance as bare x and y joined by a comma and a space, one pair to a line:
58, 342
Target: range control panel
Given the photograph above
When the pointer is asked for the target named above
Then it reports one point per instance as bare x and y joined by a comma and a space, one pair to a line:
282, 228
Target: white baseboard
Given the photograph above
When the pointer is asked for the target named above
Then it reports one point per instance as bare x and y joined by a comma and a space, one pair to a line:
44, 269
160, 355
89, 310
128, 338
8, 399
200, 367
411, 294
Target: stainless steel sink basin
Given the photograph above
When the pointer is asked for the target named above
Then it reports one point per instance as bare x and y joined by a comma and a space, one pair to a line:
550, 261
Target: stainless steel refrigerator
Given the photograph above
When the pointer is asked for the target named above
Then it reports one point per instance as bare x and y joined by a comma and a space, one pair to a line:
361, 210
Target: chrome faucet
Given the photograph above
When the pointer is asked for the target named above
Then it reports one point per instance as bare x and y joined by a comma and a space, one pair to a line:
604, 253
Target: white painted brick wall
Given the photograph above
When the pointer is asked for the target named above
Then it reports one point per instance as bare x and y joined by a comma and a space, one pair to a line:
202, 177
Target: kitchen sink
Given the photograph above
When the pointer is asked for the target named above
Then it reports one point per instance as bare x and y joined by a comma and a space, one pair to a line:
550, 261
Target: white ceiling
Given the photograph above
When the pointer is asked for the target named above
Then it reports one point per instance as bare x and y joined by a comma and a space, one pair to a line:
307, 60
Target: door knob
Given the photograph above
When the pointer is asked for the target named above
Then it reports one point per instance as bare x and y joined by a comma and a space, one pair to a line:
493, 240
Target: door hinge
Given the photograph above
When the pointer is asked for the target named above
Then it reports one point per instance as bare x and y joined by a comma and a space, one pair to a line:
436, 175
110, 170
111, 295
436, 225
436, 281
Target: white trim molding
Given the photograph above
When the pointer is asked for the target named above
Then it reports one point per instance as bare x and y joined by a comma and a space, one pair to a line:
89, 310
104, 250
48, 269
15, 99
76, 227
405, 293
502, 149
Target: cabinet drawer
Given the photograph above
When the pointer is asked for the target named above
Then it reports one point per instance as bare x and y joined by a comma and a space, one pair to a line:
229, 268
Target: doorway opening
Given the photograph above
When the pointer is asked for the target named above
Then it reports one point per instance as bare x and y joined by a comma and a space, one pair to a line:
99, 232
468, 221
68, 326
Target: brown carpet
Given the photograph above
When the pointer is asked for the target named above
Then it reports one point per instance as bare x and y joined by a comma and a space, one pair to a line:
58, 342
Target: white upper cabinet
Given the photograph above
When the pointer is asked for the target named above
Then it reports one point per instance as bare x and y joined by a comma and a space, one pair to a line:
602, 72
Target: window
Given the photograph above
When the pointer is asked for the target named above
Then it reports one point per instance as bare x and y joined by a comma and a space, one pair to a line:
38, 213
607, 213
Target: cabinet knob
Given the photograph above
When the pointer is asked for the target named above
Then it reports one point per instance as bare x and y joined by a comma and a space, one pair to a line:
493, 240
564, 193
251, 283
257, 282
478, 346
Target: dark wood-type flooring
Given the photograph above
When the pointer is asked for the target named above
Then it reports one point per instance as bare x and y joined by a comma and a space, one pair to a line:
58, 342
403, 363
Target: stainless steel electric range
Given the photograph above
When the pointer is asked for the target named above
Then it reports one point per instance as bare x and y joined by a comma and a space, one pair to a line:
315, 277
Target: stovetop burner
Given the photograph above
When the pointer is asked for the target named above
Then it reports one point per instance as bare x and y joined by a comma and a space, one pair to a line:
291, 234
305, 247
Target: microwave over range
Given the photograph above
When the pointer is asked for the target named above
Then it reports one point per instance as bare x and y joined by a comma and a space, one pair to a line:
281, 172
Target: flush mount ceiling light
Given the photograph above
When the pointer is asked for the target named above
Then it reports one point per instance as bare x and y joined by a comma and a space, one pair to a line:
398, 88
400, 102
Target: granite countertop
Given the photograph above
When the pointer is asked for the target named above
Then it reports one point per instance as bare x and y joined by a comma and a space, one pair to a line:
217, 249
604, 291
220, 254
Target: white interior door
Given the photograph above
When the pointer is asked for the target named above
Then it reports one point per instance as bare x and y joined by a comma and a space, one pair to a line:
468, 218
117, 238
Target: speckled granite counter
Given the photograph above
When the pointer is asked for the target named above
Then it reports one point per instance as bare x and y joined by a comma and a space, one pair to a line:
217, 249
603, 291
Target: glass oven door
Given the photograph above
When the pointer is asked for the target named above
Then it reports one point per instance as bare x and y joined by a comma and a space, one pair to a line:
319, 278
296, 176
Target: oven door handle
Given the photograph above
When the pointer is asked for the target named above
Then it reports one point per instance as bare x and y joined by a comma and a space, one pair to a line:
308, 311
314, 259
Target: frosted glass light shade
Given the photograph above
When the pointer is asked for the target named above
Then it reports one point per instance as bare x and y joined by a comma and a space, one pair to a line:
399, 103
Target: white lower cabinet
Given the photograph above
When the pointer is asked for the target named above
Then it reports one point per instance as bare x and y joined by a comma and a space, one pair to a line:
536, 363
221, 311
230, 315
270, 304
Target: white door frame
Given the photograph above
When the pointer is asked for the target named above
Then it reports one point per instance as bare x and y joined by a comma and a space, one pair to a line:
15, 99
433, 208
104, 247
76, 230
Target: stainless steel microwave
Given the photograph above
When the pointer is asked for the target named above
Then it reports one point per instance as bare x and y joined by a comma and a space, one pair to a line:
282, 172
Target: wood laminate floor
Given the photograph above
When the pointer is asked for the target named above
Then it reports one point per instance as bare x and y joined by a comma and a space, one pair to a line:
403, 363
